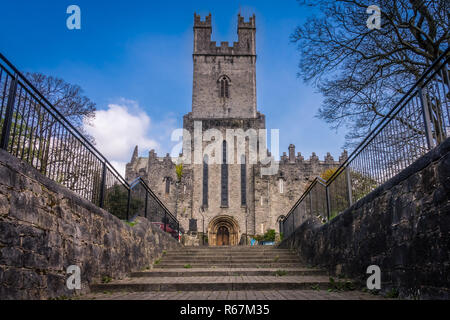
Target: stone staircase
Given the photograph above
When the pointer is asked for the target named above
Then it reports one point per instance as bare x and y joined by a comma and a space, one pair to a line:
222, 269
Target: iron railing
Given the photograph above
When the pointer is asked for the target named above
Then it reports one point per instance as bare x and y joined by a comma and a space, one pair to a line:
33, 130
415, 125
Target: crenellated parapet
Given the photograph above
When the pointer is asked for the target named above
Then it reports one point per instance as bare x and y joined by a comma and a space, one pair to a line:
199, 23
204, 46
290, 158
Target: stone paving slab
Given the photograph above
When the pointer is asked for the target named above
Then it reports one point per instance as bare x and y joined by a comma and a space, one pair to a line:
181, 272
230, 260
216, 283
236, 295
227, 279
278, 265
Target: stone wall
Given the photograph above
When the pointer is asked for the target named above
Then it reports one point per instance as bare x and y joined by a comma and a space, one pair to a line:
44, 228
403, 227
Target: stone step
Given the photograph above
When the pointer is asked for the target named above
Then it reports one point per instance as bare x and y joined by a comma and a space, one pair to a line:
230, 260
242, 255
232, 249
227, 283
227, 272
165, 265
228, 253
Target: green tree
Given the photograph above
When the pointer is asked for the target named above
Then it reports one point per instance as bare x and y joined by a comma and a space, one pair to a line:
117, 201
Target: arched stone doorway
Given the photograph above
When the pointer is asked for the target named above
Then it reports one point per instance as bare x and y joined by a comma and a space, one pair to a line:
223, 231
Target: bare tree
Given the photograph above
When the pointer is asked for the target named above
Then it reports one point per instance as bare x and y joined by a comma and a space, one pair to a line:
67, 98
361, 72
54, 150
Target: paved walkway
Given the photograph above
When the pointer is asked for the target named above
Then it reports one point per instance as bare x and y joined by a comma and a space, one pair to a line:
234, 273
235, 295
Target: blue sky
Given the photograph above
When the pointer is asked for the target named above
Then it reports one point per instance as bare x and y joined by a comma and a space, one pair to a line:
135, 57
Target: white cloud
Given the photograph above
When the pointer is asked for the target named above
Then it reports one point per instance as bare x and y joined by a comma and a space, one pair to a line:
118, 130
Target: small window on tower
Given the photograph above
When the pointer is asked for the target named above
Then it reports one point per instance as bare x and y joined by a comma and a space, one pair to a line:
167, 184
224, 84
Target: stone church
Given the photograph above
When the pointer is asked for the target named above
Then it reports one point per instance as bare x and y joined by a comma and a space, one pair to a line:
232, 200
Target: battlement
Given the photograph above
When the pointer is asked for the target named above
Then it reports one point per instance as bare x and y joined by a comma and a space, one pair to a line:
204, 46
328, 159
251, 24
199, 23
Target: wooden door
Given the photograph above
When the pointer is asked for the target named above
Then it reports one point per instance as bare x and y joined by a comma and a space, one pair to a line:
223, 237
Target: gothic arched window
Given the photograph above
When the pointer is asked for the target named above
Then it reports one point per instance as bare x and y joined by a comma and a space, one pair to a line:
205, 181
224, 180
224, 84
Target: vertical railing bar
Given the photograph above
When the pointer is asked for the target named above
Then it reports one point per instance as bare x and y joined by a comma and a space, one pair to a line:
4, 93
128, 204
426, 118
9, 114
349, 186
146, 203
327, 195
15, 124
165, 221
26, 130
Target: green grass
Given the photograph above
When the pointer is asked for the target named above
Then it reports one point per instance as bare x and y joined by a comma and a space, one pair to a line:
60, 298
187, 266
157, 261
106, 279
276, 259
392, 294
315, 287
131, 224
340, 285
280, 273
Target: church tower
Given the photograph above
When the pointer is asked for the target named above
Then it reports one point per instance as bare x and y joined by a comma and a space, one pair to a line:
224, 82
226, 202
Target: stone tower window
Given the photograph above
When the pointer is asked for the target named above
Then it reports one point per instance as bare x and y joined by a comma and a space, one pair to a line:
167, 184
224, 178
243, 182
281, 185
224, 83
205, 181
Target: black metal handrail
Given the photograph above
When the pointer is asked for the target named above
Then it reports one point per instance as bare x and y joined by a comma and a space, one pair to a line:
167, 219
422, 120
33, 130
51, 109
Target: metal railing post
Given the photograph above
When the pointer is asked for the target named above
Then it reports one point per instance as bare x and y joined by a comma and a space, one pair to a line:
426, 118
327, 195
293, 220
128, 204
349, 186
6, 132
102, 186
165, 221
146, 204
